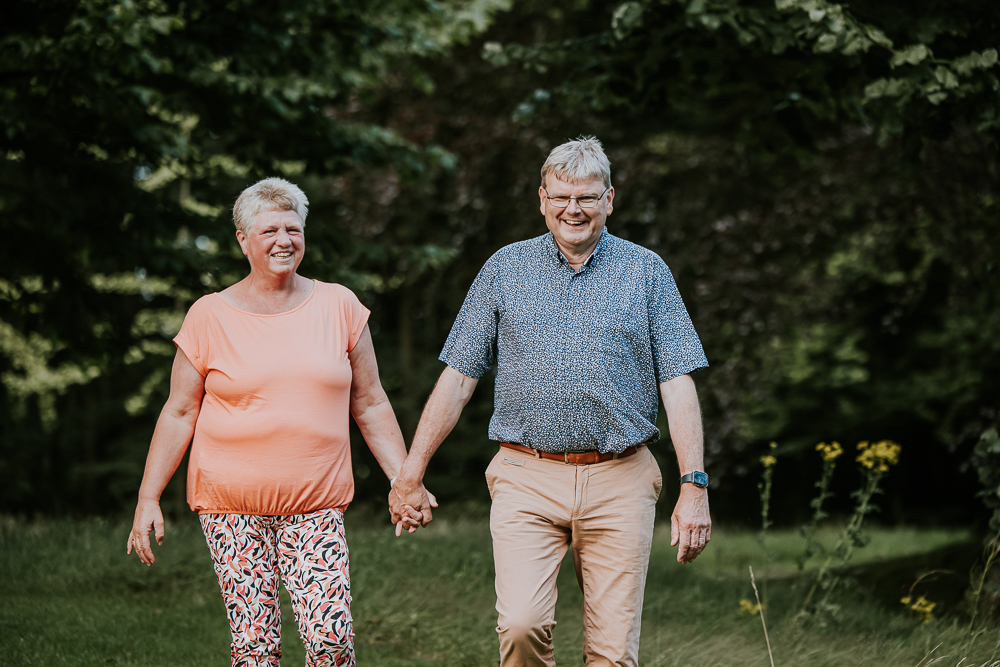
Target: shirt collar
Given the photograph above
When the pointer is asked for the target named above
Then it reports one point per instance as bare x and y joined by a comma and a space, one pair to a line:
602, 243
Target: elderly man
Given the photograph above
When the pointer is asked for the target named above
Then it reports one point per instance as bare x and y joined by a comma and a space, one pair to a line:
583, 327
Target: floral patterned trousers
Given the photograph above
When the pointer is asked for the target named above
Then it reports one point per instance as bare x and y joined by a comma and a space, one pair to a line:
309, 553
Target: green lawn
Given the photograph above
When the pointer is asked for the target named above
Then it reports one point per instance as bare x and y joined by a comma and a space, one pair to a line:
71, 597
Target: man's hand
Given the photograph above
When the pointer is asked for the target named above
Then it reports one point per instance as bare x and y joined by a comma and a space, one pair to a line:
690, 524
410, 505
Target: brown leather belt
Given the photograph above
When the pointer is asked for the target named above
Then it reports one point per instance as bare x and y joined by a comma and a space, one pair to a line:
573, 457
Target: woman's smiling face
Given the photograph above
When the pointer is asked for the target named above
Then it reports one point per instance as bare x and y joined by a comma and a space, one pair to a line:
275, 243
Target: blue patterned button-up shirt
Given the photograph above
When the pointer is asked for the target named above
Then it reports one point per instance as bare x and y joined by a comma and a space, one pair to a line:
579, 354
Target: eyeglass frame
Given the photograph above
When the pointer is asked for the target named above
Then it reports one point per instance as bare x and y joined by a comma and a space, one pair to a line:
577, 198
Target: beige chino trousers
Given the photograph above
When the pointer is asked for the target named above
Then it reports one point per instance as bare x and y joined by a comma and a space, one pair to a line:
605, 512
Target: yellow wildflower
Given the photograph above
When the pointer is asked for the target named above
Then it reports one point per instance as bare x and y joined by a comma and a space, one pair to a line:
748, 608
923, 607
829, 452
878, 456
768, 460
773, 444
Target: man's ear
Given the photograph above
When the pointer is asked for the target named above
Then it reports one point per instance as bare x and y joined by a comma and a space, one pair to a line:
611, 197
541, 199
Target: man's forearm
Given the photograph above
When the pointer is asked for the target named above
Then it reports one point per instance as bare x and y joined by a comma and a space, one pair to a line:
451, 393
691, 521
680, 398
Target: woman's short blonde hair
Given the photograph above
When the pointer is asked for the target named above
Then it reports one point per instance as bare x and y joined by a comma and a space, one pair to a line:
580, 160
271, 194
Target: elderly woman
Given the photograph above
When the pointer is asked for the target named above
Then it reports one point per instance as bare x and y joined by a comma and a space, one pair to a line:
265, 374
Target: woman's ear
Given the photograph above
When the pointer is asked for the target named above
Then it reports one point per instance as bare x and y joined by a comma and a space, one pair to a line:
241, 238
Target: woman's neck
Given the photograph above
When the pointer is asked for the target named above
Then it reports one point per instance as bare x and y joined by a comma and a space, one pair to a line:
268, 295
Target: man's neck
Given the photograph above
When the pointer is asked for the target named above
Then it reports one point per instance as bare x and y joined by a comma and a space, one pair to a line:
577, 257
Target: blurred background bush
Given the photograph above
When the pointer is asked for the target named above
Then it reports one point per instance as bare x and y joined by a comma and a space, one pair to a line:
822, 180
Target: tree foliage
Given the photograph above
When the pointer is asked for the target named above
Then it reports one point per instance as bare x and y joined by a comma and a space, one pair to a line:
822, 180
128, 128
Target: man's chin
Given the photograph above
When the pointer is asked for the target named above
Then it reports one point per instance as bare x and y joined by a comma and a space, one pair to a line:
579, 236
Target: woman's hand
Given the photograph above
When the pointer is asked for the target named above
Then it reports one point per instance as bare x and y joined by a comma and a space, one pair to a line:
405, 515
408, 520
147, 515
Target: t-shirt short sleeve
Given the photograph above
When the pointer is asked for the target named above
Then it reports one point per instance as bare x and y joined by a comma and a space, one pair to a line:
355, 316
471, 348
676, 347
193, 338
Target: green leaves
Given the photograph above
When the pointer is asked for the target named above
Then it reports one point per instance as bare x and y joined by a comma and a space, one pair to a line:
129, 127
911, 55
627, 17
987, 453
965, 65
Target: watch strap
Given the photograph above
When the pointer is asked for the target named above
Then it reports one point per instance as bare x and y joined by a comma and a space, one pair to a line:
698, 478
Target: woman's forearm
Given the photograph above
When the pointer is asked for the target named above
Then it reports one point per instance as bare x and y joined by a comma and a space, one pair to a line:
380, 429
174, 427
170, 440
371, 408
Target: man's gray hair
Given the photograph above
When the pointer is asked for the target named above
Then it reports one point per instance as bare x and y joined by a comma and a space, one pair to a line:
271, 194
582, 159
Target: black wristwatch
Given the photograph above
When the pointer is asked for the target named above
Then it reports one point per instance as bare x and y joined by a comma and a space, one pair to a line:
698, 478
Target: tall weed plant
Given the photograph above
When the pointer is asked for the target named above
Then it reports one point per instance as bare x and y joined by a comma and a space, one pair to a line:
983, 596
824, 581
874, 461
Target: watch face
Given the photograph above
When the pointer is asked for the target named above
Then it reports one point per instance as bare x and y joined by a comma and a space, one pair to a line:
700, 479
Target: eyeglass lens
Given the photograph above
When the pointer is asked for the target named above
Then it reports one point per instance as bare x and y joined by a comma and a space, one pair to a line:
584, 201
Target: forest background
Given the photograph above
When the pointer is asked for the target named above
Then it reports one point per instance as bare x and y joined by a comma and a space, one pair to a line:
821, 179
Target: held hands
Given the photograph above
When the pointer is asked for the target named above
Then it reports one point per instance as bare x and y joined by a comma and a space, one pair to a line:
410, 505
690, 524
147, 515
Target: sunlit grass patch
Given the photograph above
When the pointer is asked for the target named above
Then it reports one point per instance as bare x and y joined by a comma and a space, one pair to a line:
72, 597
733, 550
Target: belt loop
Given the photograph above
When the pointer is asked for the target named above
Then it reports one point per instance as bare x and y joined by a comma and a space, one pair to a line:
615, 457
565, 456
537, 453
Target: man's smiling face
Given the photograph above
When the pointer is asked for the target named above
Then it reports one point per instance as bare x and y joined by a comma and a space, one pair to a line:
576, 230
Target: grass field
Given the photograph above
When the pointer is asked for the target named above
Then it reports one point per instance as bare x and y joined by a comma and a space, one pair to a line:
71, 597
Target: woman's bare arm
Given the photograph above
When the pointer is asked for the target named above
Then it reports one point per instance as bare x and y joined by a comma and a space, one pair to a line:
373, 414
171, 438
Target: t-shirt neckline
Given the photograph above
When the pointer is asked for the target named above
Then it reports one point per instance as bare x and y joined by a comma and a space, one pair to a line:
287, 312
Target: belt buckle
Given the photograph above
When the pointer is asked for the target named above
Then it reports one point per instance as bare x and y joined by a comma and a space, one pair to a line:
567, 452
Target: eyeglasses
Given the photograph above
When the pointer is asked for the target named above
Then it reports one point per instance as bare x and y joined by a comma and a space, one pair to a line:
583, 201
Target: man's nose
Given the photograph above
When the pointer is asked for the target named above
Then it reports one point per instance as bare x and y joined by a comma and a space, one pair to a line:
573, 205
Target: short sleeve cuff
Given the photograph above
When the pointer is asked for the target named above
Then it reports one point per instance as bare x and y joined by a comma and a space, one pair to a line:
359, 327
667, 373
184, 346
464, 366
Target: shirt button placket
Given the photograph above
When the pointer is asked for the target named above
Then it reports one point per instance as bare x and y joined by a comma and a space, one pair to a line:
566, 339
572, 362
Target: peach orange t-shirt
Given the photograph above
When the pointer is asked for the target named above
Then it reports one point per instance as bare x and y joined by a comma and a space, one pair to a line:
272, 435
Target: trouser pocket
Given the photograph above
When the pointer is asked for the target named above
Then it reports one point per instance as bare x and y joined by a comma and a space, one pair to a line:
491, 473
